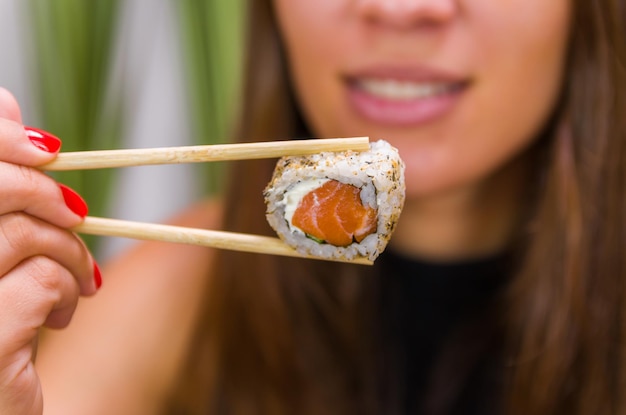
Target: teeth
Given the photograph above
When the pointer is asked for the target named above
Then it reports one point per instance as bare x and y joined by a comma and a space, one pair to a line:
403, 90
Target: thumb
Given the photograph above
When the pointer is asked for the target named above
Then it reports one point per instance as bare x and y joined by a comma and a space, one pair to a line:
9, 108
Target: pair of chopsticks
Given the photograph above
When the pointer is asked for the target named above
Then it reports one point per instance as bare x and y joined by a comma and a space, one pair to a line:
84, 160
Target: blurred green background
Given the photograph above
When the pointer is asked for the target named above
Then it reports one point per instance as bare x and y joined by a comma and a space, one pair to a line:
73, 47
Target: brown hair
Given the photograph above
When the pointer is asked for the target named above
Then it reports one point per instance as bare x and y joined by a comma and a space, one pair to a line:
283, 336
567, 322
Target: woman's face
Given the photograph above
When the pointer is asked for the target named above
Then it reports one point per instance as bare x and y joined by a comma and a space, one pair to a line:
458, 86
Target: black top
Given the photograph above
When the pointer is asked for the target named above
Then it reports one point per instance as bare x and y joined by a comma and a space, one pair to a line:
442, 342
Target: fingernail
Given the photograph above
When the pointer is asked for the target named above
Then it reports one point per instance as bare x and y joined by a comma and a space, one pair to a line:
43, 139
97, 276
73, 201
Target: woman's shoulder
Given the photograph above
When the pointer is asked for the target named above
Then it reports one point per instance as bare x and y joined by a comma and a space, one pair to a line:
206, 214
135, 332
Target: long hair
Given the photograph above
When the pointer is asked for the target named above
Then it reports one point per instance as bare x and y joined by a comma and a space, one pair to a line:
282, 336
567, 317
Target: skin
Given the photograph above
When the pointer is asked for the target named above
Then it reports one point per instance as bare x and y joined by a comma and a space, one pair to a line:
463, 167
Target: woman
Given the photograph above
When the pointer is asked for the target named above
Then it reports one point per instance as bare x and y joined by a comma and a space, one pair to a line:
501, 291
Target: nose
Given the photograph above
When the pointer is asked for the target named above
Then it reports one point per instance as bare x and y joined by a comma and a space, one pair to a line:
406, 14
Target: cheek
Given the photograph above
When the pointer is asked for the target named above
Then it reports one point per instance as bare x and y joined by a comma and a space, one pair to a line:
317, 41
517, 85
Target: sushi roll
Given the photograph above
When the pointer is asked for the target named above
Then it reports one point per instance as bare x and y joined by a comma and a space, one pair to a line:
337, 205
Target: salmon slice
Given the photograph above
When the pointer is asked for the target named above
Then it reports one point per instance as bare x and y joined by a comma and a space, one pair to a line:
335, 214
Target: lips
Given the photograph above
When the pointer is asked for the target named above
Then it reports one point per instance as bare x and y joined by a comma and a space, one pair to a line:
404, 97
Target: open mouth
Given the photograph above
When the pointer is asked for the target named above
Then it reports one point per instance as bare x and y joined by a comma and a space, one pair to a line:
404, 100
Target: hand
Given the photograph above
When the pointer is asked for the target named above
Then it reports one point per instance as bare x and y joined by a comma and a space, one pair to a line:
44, 268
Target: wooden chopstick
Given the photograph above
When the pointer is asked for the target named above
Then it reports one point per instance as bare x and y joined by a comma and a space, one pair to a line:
84, 160
203, 237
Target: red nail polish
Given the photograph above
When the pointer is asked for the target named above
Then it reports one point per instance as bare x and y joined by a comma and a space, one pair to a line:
97, 276
73, 201
43, 139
